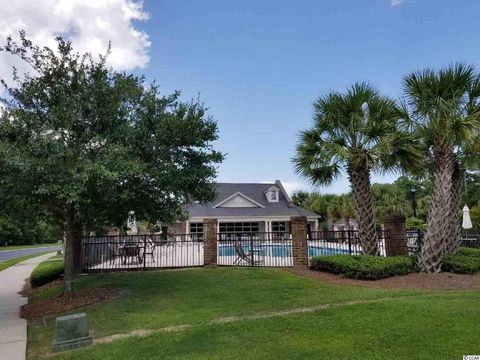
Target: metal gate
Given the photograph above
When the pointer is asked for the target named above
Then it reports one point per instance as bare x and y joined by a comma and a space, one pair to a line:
259, 249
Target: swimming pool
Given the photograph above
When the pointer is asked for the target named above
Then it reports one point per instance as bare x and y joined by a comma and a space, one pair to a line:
279, 250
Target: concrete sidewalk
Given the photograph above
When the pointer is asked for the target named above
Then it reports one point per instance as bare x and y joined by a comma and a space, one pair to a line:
13, 329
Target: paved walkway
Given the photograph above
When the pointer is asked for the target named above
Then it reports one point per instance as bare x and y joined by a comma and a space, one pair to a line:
13, 329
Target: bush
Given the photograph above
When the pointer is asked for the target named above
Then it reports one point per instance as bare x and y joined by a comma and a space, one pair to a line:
46, 272
364, 266
461, 264
469, 252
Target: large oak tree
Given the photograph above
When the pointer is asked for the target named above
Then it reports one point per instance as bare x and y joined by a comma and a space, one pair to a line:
88, 144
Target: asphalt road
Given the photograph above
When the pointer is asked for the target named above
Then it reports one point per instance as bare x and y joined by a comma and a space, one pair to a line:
10, 254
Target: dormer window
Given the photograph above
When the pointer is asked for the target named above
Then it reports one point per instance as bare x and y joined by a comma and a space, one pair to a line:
273, 195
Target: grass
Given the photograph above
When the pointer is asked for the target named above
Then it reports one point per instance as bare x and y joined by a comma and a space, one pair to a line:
419, 328
10, 262
196, 296
21, 247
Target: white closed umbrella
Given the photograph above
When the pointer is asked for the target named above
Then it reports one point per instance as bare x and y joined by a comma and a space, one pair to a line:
132, 224
466, 222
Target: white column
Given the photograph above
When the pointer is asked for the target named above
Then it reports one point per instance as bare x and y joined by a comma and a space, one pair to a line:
187, 227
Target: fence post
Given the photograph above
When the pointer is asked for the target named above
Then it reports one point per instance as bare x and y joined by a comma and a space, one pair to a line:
299, 241
210, 242
396, 241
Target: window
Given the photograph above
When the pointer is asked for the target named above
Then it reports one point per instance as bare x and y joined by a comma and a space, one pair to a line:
239, 227
273, 195
279, 226
196, 230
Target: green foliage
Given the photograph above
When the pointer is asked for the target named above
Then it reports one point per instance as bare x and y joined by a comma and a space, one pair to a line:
415, 223
46, 272
469, 252
364, 266
299, 197
471, 187
390, 200
350, 129
475, 215
18, 230
461, 264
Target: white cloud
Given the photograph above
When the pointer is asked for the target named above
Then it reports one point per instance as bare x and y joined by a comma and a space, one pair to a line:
89, 24
396, 2
291, 186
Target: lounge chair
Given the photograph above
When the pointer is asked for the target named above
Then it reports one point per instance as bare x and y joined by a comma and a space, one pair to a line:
242, 255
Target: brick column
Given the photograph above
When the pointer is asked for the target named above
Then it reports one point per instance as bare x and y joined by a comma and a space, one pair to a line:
210, 242
396, 240
298, 228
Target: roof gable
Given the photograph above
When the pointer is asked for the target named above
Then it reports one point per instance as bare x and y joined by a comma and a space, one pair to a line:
238, 200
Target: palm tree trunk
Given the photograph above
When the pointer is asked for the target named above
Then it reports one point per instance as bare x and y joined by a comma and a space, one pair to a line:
455, 197
359, 177
439, 219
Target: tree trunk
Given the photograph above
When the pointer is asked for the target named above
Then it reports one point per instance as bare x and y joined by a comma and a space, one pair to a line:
439, 215
363, 204
72, 253
455, 197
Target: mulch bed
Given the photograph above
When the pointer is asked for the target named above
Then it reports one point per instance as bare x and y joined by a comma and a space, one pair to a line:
66, 302
442, 281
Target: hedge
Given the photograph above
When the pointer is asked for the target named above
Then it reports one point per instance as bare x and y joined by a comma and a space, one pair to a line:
46, 272
469, 252
364, 266
461, 264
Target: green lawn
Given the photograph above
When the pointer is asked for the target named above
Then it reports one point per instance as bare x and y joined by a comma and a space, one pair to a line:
10, 262
21, 247
159, 299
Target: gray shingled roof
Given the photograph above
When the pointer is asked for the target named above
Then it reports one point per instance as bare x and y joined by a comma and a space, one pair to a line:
255, 192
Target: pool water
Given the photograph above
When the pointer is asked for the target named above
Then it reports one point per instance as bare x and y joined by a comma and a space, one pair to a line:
268, 250
325, 251
280, 250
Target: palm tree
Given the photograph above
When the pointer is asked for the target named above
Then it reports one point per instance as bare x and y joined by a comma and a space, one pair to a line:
358, 132
444, 110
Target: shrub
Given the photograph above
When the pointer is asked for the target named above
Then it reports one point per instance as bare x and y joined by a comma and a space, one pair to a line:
46, 272
461, 264
469, 252
364, 266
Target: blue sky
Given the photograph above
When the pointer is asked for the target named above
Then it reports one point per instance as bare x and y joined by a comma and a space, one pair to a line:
259, 65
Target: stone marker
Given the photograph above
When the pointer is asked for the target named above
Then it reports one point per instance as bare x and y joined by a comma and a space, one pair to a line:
71, 331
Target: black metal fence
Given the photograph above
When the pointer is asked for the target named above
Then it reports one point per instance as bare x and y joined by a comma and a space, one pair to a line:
136, 252
260, 249
324, 243
468, 238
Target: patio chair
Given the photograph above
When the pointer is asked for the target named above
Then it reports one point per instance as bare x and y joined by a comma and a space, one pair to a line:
149, 249
242, 255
